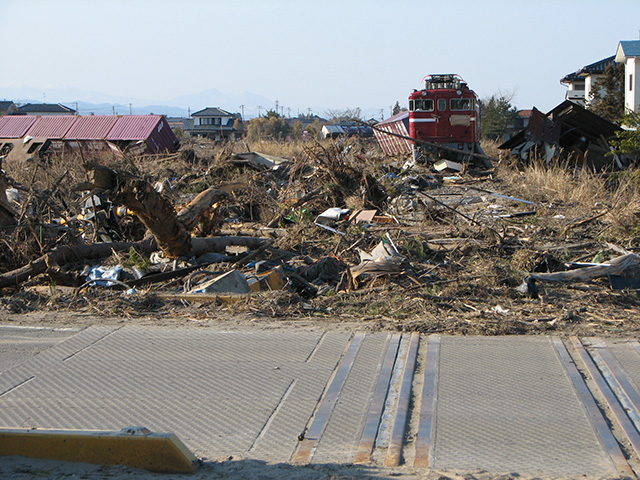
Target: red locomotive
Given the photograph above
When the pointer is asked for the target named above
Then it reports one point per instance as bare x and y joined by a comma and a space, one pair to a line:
444, 113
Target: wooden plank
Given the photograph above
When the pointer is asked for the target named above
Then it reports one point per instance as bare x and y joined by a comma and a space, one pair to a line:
394, 453
609, 442
427, 407
308, 444
370, 431
605, 390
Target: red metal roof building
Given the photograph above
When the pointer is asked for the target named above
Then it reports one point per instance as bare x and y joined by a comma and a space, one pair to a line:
133, 133
51, 127
390, 144
154, 130
15, 126
91, 127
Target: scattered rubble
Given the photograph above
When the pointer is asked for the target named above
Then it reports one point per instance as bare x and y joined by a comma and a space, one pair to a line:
569, 132
331, 230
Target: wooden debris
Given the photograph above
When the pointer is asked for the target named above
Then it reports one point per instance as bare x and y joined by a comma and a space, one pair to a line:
153, 209
622, 265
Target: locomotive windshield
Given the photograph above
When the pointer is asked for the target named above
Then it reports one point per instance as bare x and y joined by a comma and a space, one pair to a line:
462, 104
421, 105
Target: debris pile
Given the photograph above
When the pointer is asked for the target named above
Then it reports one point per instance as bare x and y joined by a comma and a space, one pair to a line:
330, 230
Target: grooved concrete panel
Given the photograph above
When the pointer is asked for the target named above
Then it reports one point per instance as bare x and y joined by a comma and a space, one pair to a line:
19, 344
507, 405
216, 390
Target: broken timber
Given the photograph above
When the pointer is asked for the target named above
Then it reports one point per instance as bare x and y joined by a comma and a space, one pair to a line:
623, 265
154, 210
64, 254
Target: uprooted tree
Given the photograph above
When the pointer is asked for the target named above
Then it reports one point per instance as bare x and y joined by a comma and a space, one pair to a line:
155, 211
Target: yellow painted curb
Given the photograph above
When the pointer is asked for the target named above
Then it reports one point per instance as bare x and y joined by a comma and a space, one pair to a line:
134, 446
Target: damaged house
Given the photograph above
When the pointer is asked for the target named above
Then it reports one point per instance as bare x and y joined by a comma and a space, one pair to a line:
26, 136
568, 131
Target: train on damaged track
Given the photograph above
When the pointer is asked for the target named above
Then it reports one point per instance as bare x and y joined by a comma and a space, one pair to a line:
443, 122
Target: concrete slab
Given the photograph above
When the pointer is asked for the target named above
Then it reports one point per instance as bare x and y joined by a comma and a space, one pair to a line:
507, 405
499, 404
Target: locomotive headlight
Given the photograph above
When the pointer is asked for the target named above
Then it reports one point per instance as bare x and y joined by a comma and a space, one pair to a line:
459, 92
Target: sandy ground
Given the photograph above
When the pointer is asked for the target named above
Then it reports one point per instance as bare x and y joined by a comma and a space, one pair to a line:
27, 468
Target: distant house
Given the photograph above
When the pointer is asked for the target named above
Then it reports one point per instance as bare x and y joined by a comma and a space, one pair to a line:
629, 53
215, 123
7, 108
180, 123
346, 129
41, 109
581, 83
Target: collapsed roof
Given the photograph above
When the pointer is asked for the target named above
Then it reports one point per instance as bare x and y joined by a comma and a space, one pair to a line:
569, 130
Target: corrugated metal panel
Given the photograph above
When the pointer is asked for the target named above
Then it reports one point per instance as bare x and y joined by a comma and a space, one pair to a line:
15, 126
398, 124
133, 127
51, 126
153, 129
162, 138
92, 127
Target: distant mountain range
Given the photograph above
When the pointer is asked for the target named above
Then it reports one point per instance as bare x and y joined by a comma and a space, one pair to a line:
97, 103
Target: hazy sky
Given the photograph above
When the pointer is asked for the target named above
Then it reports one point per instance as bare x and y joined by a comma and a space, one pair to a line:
334, 54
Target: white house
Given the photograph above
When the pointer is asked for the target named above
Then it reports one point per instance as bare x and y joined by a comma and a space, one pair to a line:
581, 84
629, 53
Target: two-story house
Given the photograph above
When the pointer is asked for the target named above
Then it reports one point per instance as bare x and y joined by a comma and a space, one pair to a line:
42, 109
7, 108
215, 123
581, 83
629, 53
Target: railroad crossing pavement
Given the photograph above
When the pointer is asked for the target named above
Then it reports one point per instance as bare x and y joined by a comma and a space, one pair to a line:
438, 403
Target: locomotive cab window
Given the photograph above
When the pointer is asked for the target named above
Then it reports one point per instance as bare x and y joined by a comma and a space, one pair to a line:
462, 104
442, 104
421, 105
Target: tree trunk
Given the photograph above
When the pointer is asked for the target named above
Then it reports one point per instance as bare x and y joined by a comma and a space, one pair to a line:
61, 255
152, 208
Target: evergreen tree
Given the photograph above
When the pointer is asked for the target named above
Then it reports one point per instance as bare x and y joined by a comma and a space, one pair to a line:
607, 98
271, 126
497, 117
628, 140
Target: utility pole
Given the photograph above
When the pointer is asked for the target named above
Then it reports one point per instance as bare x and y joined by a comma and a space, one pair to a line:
242, 110
259, 110
129, 109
